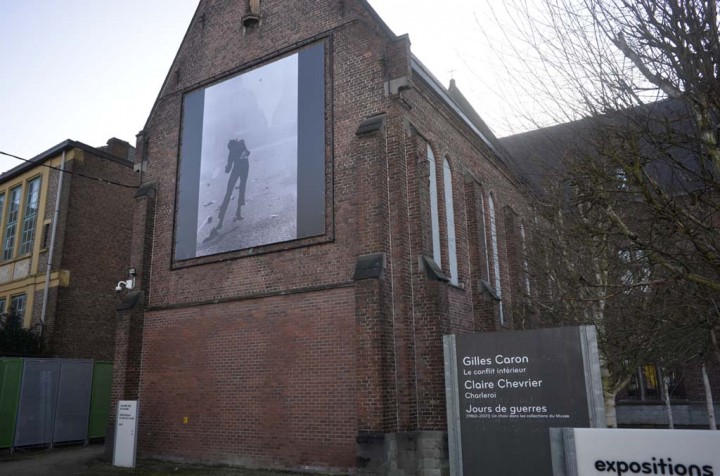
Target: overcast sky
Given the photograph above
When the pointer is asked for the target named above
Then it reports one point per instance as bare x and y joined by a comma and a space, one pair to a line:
89, 70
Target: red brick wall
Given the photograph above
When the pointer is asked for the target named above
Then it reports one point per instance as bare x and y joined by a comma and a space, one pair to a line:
268, 382
235, 318
442, 308
356, 199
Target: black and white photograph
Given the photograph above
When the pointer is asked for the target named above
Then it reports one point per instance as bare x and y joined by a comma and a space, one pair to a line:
252, 158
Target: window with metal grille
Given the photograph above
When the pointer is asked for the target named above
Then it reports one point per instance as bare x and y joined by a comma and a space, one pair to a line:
647, 384
525, 265
496, 257
434, 214
450, 222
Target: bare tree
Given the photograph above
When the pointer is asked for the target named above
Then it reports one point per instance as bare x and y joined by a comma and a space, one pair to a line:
586, 272
629, 237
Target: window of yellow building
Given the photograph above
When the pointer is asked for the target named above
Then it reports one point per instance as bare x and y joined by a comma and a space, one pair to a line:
32, 195
20, 229
17, 307
13, 213
2, 206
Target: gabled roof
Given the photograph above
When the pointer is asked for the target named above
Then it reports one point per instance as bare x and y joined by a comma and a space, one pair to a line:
459, 98
453, 98
458, 104
540, 154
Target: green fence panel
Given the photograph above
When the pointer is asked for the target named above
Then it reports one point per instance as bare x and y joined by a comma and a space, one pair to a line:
10, 376
100, 399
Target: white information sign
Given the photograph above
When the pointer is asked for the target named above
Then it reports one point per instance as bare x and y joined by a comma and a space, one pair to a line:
126, 425
664, 452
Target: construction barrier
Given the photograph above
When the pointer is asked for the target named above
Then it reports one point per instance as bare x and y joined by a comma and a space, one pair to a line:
44, 402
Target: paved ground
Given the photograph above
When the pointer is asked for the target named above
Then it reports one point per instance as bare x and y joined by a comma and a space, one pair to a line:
86, 461
65, 461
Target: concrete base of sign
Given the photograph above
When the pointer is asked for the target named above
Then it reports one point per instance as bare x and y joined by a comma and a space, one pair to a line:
413, 453
109, 442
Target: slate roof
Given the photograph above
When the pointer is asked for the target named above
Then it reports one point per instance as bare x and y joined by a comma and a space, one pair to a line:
675, 163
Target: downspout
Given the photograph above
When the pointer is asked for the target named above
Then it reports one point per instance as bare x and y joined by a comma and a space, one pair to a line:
412, 277
51, 250
391, 267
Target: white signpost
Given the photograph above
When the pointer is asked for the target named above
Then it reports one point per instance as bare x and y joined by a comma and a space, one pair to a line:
126, 425
595, 452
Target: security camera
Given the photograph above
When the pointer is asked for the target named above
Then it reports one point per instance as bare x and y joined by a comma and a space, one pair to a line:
129, 283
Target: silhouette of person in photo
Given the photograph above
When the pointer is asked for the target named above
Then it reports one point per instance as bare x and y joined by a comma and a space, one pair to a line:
238, 167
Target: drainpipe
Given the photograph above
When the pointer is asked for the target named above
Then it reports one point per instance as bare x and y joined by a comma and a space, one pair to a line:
51, 250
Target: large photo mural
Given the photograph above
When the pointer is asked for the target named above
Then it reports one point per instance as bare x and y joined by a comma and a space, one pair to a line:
252, 158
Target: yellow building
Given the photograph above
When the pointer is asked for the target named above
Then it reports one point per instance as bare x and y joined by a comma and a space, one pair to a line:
83, 219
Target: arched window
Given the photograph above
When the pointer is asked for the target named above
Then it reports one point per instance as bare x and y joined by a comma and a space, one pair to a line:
434, 215
526, 268
495, 255
450, 222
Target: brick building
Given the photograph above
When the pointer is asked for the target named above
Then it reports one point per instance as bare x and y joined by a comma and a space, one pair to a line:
73, 302
316, 212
